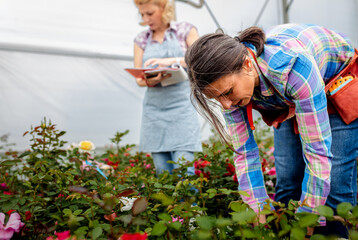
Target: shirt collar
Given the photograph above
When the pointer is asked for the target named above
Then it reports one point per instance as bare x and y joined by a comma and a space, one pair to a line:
173, 27
260, 66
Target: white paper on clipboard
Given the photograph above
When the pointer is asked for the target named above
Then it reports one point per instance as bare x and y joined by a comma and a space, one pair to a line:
178, 74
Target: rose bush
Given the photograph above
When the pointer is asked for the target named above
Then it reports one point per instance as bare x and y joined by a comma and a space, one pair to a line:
61, 192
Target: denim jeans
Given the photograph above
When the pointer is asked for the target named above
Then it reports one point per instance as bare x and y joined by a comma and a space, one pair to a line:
161, 161
290, 167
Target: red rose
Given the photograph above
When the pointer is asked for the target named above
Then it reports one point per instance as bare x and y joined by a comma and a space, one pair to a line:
230, 169
28, 215
234, 177
134, 236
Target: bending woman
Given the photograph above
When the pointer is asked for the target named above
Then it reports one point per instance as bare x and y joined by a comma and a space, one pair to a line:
282, 74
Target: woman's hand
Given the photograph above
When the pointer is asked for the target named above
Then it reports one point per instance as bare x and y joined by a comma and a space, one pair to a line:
152, 80
160, 62
309, 233
262, 219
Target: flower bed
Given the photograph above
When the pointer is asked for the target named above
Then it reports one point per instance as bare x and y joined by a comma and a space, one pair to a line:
52, 191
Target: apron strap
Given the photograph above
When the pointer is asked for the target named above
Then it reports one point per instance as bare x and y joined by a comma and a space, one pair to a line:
249, 115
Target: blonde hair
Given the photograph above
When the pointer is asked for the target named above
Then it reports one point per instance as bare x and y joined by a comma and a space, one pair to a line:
168, 13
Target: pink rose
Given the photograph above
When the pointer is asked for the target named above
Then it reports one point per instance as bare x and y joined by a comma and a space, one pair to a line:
63, 235
272, 171
13, 225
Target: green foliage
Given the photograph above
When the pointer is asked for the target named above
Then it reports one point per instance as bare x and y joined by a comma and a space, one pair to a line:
59, 189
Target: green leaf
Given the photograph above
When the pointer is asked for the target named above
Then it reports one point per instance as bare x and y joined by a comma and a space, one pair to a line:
308, 220
56, 217
169, 187
283, 221
77, 212
297, 234
343, 209
355, 211
270, 218
243, 193
9, 163
166, 200
325, 211
165, 216
244, 217
204, 234
159, 229
285, 231
51, 193
248, 233
126, 218
81, 230
79, 218
139, 221
222, 222
48, 177
353, 235
22, 201
158, 185
8, 206
67, 211
322, 237
226, 191
175, 225
96, 232
206, 223
237, 206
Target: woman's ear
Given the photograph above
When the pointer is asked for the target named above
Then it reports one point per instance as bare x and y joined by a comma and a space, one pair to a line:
247, 64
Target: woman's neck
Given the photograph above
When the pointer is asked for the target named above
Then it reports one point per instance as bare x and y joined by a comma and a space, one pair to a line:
158, 34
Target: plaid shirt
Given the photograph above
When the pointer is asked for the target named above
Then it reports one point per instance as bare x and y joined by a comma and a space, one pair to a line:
296, 61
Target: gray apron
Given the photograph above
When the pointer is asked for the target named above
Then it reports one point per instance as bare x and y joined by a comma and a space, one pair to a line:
169, 120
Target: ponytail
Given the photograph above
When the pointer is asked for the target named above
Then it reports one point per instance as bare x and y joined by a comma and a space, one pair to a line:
254, 35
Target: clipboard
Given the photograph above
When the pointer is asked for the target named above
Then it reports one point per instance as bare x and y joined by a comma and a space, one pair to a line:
178, 74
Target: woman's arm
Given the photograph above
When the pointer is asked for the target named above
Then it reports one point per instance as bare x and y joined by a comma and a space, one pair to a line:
138, 58
247, 161
306, 88
165, 62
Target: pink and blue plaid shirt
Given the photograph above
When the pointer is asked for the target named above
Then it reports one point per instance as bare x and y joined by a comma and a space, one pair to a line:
296, 61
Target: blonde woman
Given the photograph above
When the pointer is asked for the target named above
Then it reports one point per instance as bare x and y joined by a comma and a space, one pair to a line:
170, 127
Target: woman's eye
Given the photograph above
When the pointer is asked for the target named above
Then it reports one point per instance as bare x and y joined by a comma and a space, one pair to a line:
228, 92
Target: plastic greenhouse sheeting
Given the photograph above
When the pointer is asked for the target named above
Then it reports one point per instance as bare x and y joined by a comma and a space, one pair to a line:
64, 60
88, 98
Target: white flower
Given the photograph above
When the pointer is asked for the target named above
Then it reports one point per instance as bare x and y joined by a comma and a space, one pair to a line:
106, 169
269, 183
86, 145
128, 203
72, 146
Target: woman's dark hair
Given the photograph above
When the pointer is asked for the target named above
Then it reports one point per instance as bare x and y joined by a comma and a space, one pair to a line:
212, 57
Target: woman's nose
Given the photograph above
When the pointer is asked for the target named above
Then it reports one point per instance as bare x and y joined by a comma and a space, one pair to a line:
145, 19
226, 103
